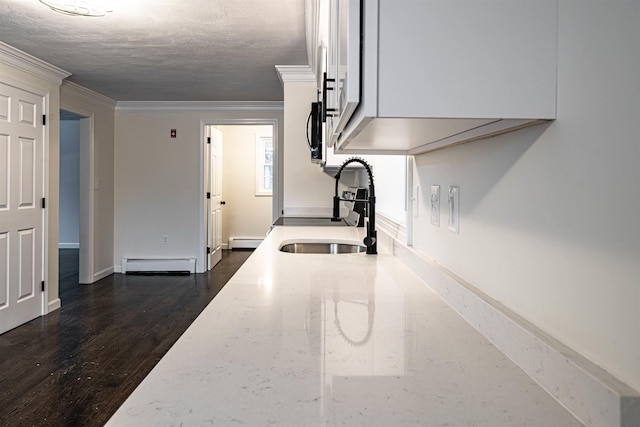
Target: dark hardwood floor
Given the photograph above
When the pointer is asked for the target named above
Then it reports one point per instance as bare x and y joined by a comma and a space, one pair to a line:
77, 365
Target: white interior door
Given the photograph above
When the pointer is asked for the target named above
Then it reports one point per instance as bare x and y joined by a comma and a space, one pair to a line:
214, 196
21, 214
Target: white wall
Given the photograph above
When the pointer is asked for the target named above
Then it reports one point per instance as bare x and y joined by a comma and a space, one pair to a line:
157, 179
245, 214
550, 215
308, 191
69, 235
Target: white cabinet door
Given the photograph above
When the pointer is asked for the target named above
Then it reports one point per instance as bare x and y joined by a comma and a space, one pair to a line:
343, 65
348, 61
329, 90
21, 213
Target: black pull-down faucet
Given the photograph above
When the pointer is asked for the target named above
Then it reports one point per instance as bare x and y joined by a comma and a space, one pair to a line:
372, 235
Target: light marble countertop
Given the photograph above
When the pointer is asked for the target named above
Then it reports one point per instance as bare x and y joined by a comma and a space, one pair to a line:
328, 340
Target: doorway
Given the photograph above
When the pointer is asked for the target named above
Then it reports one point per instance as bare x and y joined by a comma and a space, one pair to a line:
75, 241
69, 184
249, 180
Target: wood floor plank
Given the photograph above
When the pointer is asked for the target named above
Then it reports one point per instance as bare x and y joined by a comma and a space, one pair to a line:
76, 366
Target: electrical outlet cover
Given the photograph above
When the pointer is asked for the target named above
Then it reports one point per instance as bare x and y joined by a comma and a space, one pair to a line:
435, 205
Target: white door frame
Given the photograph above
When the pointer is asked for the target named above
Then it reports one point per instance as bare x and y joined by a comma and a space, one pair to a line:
201, 262
87, 212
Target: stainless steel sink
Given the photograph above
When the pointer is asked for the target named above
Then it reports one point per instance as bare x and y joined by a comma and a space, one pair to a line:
322, 248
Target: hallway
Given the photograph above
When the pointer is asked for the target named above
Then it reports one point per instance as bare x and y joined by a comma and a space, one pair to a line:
77, 365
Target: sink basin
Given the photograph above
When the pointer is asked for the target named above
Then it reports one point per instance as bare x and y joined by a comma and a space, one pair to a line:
322, 248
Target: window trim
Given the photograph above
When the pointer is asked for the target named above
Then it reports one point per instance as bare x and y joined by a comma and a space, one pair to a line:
261, 141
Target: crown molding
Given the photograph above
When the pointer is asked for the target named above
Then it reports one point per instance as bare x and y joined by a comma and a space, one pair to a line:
199, 106
22, 61
295, 73
87, 95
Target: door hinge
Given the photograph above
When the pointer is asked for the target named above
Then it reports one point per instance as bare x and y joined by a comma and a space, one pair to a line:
208, 195
208, 140
42, 286
208, 250
44, 120
44, 203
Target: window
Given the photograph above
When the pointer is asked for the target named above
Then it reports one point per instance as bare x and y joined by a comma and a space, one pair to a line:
391, 182
264, 165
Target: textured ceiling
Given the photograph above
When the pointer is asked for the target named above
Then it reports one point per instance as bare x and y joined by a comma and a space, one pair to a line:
166, 50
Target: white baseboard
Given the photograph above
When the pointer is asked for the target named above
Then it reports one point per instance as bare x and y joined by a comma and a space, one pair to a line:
244, 242
591, 394
157, 265
68, 245
102, 274
54, 305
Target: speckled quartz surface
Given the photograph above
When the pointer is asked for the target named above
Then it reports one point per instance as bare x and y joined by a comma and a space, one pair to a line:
333, 340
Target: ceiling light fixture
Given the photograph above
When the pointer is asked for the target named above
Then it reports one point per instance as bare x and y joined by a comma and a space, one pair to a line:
93, 8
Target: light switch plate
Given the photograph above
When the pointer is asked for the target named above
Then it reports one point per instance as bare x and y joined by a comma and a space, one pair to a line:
435, 205
454, 209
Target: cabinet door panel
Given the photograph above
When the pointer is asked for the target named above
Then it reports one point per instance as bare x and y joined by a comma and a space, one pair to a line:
348, 66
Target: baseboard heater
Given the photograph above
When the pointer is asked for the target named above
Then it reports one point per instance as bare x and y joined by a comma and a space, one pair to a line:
145, 266
243, 243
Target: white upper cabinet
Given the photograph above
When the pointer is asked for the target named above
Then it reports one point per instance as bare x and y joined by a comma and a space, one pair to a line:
412, 76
